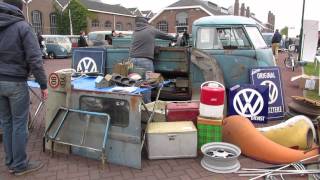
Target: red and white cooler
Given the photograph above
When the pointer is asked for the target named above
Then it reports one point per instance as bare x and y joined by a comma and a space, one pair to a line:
212, 99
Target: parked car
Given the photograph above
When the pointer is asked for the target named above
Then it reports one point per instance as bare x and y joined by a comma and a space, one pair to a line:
268, 38
58, 46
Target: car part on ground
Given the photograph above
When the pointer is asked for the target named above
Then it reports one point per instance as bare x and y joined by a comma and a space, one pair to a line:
297, 132
240, 131
82, 129
220, 157
270, 173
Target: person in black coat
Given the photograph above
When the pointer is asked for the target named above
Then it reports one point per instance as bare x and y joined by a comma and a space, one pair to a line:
82, 42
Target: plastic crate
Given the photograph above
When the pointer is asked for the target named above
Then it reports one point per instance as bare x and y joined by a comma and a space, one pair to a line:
209, 131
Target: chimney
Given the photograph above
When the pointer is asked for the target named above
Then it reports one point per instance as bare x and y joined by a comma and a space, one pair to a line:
273, 20
248, 12
236, 8
242, 10
269, 17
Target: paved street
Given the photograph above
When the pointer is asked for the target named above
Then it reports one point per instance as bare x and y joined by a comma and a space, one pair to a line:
73, 167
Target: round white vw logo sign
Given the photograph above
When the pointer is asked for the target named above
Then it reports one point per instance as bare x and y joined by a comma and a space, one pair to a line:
87, 64
273, 91
248, 102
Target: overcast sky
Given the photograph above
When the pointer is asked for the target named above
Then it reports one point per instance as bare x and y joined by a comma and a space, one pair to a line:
285, 15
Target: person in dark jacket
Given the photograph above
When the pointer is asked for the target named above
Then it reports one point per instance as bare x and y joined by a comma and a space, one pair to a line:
82, 42
142, 48
276, 39
19, 54
42, 45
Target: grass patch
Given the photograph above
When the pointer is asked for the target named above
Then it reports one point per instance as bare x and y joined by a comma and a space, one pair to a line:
312, 95
310, 69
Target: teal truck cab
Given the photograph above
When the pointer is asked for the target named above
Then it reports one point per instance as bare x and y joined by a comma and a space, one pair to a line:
235, 43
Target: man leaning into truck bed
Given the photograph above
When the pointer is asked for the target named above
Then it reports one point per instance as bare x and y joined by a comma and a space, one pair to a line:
142, 48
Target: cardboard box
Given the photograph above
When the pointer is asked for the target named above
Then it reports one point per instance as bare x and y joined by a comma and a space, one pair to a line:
122, 68
159, 111
307, 82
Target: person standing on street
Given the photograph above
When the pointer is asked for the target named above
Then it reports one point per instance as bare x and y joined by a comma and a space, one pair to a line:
82, 42
19, 54
276, 39
142, 48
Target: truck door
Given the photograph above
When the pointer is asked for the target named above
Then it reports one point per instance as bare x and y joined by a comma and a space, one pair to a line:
233, 50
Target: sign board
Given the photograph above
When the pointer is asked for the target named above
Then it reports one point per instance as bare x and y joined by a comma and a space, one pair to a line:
89, 60
310, 40
270, 76
250, 101
54, 80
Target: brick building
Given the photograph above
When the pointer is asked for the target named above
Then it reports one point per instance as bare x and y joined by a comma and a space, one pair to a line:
41, 15
180, 15
177, 17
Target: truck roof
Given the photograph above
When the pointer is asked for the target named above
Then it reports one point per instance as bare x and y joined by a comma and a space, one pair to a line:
224, 20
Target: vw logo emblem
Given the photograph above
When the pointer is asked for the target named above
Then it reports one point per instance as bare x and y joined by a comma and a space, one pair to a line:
87, 64
248, 102
273, 91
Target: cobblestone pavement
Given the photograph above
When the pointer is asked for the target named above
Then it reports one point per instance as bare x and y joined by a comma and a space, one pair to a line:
71, 167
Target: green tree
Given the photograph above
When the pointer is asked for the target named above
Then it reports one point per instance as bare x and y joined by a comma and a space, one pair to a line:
284, 31
79, 15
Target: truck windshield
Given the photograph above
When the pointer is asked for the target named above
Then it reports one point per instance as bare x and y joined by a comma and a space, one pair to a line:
256, 37
222, 38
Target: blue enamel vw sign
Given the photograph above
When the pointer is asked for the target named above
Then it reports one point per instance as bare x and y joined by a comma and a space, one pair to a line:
249, 101
270, 76
89, 60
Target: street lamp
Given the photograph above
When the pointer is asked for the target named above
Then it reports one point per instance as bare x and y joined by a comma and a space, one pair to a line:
27, 8
301, 32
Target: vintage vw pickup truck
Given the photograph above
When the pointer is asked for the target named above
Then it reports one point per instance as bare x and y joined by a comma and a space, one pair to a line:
223, 48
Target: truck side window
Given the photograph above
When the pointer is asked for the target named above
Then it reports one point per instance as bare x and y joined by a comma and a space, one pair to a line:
256, 37
241, 38
233, 38
207, 38
222, 38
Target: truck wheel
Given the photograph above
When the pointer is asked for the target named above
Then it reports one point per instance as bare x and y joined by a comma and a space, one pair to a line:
51, 55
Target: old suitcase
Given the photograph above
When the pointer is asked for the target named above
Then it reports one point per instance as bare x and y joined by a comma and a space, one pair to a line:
182, 111
171, 140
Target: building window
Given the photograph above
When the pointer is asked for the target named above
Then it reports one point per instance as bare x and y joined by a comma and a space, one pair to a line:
162, 26
182, 22
108, 25
53, 23
119, 26
95, 23
36, 21
129, 26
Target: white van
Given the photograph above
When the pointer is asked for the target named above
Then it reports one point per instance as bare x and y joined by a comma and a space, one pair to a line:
98, 38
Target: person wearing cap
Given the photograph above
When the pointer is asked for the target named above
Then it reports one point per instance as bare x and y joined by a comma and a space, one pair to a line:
20, 54
142, 48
